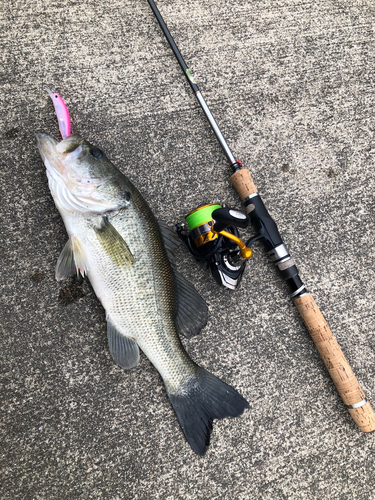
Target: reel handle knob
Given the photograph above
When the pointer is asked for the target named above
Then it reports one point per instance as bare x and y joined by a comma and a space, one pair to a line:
225, 217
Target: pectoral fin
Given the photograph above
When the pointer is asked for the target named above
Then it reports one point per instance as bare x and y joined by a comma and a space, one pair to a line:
113, 244
71, 260
124, 351
191, 310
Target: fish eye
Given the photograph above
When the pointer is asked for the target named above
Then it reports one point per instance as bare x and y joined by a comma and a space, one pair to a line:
96, 153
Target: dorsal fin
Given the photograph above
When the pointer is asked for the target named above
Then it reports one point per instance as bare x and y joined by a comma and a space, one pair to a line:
191, 310
170, 239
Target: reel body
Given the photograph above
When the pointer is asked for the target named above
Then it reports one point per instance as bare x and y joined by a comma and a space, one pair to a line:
211, 235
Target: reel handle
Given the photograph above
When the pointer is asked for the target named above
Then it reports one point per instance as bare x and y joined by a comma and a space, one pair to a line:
327, 345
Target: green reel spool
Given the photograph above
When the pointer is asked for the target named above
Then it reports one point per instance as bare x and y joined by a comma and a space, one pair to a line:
201, 215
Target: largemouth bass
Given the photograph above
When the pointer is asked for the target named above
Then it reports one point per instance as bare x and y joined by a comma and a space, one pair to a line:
116, 241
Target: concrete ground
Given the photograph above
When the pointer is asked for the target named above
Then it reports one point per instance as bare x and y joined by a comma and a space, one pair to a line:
291, 84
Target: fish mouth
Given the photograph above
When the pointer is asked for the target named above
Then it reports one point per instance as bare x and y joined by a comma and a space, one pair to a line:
53, 152
47, 146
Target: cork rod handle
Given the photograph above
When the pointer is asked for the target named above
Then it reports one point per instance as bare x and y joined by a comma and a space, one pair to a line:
338, 367
243, 183
327, 345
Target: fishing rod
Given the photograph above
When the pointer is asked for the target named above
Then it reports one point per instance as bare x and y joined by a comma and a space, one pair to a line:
209, 241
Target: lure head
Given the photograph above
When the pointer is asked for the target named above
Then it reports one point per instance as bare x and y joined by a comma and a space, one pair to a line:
81, 178
53, 95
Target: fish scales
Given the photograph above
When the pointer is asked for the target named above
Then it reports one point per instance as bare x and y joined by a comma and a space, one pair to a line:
146, 313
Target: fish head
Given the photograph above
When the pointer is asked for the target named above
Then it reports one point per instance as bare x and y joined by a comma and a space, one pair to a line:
81, 178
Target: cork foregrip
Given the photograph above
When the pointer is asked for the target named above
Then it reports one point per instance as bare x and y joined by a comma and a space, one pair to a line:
243, 183
336, 363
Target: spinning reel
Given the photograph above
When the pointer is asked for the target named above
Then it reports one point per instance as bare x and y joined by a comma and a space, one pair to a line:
211, 235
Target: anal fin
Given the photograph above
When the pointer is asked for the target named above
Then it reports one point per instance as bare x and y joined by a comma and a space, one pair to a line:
124, 351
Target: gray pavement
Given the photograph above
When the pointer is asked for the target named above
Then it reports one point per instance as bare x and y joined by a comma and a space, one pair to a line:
292, 86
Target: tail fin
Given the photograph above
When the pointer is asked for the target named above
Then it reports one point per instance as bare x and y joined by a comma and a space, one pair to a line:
201, 400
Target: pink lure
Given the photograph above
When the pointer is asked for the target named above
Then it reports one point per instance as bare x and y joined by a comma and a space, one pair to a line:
62, 113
